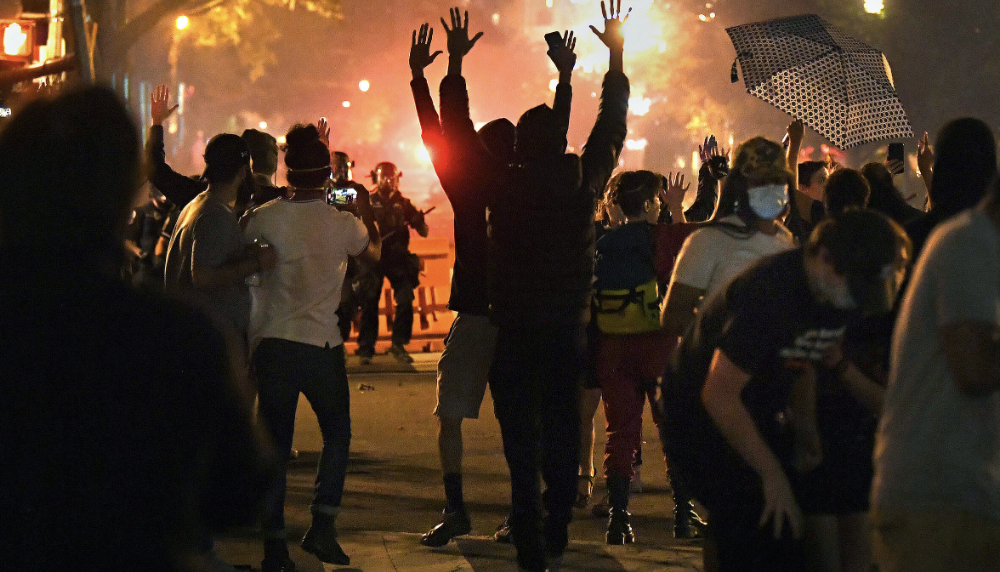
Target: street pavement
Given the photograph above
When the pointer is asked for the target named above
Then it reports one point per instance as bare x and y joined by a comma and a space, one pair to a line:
394, 491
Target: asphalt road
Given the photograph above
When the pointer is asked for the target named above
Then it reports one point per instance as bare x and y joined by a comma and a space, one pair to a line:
394, 481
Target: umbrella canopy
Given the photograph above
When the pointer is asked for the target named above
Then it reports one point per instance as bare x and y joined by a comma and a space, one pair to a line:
838, 86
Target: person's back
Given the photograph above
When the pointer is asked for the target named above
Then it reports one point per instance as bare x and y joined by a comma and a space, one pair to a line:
312, 241
119, 443
105, 422
937, 453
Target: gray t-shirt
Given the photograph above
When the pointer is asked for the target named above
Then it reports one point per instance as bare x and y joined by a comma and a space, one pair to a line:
208, 234
937, 446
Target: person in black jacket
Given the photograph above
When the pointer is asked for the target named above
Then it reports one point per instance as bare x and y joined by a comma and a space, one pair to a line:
541, 264
181, 190
454, 146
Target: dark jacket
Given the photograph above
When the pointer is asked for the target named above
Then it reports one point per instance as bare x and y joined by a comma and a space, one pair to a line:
541, 222
450, 140
179, 189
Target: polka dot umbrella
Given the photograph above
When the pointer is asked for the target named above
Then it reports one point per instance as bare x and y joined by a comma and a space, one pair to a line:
838, 86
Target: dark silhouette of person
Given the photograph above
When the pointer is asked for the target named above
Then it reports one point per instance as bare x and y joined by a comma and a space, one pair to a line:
109, 460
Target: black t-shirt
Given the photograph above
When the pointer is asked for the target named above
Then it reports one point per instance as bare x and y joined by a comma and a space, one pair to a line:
765, 317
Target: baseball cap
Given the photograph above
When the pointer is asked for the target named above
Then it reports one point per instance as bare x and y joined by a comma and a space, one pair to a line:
224, 153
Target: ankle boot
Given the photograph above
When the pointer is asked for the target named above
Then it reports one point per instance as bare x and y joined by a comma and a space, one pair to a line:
321, 540
619, 528
687, 523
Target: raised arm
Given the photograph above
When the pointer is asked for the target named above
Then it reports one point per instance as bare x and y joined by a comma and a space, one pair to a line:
430, 124
564, 58
600, 156
176, 187
714, 168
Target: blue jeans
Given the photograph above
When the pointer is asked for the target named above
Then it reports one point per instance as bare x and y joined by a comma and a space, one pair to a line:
283, 369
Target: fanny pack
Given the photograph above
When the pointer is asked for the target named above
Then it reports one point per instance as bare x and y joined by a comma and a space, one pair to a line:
628, 311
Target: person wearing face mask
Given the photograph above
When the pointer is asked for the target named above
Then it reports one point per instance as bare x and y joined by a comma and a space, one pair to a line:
744, 229
732, 398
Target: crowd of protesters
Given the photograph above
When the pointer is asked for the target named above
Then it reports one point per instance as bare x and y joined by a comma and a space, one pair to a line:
822, 358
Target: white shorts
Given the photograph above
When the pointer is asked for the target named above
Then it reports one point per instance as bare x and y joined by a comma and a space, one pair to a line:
464, 368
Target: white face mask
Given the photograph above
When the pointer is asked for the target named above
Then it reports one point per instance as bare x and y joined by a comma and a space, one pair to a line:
768, 201
837, 293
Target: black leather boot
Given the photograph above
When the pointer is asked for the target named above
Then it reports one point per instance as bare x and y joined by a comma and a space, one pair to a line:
321, 540
619, 527
687, 523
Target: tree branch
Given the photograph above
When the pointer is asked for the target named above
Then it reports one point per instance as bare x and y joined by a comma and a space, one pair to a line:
143, 23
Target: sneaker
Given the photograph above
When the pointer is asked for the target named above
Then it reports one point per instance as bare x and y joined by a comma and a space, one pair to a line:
366, 360
277, 565
619, 529
503, 533
452, 524
321, 541
400, 353
365, 355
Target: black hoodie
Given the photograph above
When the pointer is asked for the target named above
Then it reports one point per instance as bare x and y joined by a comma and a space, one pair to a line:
541, 223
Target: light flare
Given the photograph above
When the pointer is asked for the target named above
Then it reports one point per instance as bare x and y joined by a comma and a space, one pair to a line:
182, 22
874, 6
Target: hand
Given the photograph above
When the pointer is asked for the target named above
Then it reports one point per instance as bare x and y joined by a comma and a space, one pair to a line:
834, 355
612, 36
420, 50
673, 193
779, 505
563, 56
324, 131
895, 166
459, 43
796, 130
705, 151
158, 106
925, 156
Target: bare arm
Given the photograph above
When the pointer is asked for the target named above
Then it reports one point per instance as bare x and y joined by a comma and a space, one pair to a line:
679, 306
721, 397
256, 258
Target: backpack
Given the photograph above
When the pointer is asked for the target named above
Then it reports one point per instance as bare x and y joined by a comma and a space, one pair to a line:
628, 311
634, 309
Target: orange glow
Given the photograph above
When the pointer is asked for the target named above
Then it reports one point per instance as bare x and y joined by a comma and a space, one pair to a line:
14, 40
182, 22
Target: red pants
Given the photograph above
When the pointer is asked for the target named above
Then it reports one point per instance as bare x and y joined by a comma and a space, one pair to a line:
627, 369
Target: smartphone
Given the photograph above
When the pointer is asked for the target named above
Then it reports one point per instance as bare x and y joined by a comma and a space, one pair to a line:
895, 153
344, 196
554, 40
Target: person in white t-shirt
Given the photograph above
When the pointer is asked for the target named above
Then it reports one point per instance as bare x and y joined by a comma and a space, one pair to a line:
745, 228
295, 340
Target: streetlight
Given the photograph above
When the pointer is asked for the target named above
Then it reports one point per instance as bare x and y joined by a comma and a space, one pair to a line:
364, 86
182, 22
874, 6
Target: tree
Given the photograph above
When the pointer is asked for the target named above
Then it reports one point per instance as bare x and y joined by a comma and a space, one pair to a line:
216, 22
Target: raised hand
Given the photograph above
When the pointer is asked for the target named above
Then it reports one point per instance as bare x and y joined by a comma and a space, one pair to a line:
796, 130
925, 158
563, 56
612, 36
459, 43
420, 50
673, 193
324, 131
159, 106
